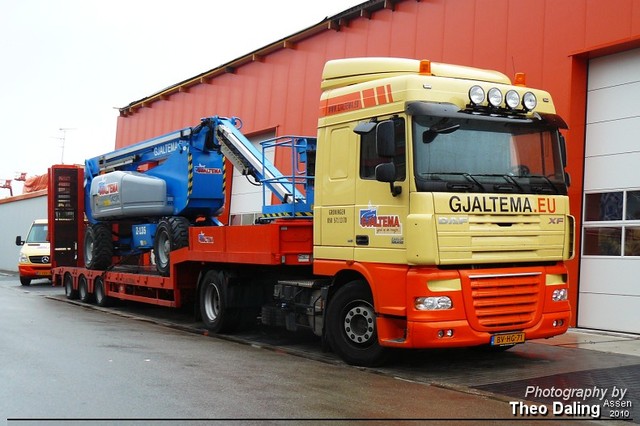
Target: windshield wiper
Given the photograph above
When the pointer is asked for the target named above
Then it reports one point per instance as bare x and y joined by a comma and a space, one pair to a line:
458, 186
510, 179
512, 184
470, 178
547, 180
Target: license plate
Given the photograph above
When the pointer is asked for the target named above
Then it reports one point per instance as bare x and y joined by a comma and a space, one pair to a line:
43, 273
507, 339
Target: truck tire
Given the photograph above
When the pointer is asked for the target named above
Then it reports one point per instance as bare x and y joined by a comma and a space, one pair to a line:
68, 287
216, 316
351, 326
83, 290
172, 233
98, 247
99, 293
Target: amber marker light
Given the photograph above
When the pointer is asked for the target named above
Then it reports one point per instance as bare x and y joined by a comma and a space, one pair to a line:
520, 79
425, 67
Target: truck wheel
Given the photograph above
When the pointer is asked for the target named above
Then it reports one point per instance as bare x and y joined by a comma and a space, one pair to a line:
213, 304
351, 326
83, 290
98, 247
25, 281
172, 233
98, 291
68, 287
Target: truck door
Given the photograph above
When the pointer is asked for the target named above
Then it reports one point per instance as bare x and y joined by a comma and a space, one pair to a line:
381, 206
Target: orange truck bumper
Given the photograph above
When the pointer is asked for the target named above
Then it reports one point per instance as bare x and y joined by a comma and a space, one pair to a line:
507, 305
435, 334
34, 271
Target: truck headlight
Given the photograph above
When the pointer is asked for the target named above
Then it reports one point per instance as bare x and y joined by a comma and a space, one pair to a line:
495, 97
433, 303
559, 295
513, 99
476, 95
529, 101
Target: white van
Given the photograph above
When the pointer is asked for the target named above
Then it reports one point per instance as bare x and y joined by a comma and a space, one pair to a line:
35, 255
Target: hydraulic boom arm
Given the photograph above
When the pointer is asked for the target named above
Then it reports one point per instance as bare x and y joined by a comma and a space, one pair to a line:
246, 158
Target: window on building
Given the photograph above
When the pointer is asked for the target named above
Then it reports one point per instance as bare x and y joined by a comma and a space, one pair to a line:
611, 224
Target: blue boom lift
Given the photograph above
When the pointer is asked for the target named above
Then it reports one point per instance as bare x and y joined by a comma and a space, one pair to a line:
146, 196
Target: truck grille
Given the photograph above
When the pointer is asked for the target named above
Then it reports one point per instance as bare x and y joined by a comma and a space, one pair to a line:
493, 238
39, 259
504, 301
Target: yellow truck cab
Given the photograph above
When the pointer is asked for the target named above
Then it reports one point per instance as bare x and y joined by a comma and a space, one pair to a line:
441, 194
34, 260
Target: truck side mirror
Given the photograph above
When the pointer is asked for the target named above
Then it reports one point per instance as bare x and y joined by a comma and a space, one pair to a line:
19, 241
385, 139
386, 172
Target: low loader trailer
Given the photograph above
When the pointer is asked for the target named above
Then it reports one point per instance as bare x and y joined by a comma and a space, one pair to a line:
430, 210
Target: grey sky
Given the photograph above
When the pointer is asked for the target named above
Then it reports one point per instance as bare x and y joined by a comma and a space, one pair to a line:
70, 63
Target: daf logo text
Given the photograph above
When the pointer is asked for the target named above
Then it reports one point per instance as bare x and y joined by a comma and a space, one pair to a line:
453, 220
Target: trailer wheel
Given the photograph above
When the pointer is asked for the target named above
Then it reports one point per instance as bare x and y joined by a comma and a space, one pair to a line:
172, 233
83, 290
216, 316
98, 247
68, 287
99, 293
351, 326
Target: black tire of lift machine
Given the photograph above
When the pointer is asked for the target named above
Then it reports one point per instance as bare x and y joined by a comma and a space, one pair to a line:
98, 247
352, 305
174, 231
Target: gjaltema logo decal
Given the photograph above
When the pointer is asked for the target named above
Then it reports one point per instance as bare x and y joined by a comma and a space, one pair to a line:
205, 239
501, 204
382, 224
107, 188
357, 100
207, 170
165, 149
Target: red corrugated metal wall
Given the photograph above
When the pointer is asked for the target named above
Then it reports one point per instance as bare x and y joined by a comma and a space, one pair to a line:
550, 40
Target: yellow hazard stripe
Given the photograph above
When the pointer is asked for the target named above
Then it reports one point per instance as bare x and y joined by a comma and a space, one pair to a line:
224, 178
297, 214
190, 174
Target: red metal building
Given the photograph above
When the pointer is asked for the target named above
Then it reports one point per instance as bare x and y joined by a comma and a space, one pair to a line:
585, 52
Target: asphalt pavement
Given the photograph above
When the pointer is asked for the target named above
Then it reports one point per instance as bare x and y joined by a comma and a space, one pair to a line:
585, 375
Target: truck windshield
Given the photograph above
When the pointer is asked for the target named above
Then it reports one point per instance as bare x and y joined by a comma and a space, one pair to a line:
38, 233
471, 155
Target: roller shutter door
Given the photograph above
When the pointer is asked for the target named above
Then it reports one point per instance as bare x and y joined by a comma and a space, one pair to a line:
609, 293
